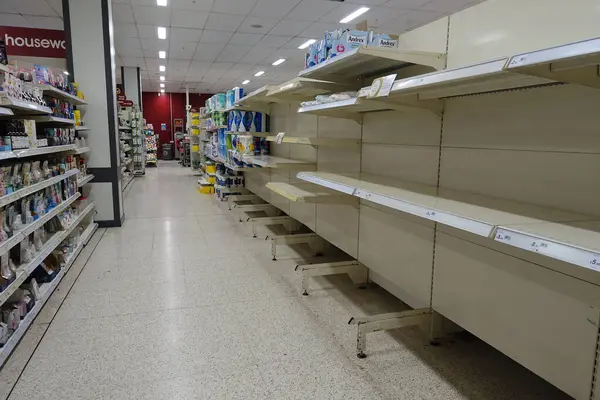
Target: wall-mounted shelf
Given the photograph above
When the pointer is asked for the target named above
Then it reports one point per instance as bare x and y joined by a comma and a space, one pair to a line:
85, 180
215, 128
278, 162
256, 98
42, 150
301, 89
317, 141
309, 193
348, 109
81, 150
48, 119
479, 78
571, 63
468, 212
82, 128
22, 107
257, 134
124, 128
19, 194
6, 112
369, 61
54, 92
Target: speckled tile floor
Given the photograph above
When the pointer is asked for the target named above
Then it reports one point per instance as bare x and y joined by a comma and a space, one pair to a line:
181, 303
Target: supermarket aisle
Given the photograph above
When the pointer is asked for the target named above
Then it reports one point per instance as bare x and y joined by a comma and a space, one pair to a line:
181, 303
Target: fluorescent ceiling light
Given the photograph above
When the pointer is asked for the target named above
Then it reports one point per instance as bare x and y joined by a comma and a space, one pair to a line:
162, 85
162, 32
162, 54
306, 44
259, 73
66, 72
279, 62
355, 14
162, 78
162, 68
162, 90
162, 3
245, 82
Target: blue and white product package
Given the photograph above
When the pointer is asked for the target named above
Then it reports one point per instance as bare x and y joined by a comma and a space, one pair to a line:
230, 116
349, 40
311, 57
220, 101
229, 101
236, 120
321, 51
383, 40
238, 93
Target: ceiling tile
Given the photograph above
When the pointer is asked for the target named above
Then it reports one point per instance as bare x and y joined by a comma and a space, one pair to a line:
146, 31
154, 44
318, 29
208, 51
267, 24
341, 11
248, 39
147, 3
56, 5
133, 62
311, 10
449, 7
209, 36
195, 5
233, 53
224, 22
409, 21
289, 27
14, 20
184, 34
240, 7
274, 40
122, 13
45, 22
244, 67
127, 43
199, 66
188, 19
33, 7
7, 8
274, 8
407, 4
153, 63
151, 53
125, 30
160, 16
258, 54
378, 16
183, 50
295, 42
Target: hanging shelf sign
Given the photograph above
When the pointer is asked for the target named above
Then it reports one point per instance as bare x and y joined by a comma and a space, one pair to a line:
381, 87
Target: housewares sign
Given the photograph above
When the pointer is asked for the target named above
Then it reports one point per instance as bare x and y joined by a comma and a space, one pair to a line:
33, 42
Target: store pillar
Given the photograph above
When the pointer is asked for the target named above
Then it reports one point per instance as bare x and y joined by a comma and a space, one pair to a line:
90, 60
132, 84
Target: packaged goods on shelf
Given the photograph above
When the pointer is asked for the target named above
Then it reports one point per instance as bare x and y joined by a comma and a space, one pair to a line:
246, 121
233, 96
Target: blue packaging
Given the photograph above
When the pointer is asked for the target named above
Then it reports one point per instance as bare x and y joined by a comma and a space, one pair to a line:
311, 57
238, 93
229, 100
321, 51
349, 40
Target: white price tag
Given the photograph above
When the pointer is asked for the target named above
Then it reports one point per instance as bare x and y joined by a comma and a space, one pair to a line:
279, 137
381, 87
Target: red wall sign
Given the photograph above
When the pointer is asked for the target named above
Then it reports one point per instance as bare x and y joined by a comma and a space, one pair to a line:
34, 42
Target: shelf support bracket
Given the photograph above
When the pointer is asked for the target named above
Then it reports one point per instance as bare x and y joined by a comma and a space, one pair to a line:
263, 221
357, 272
382, 322
311, 239
242, 197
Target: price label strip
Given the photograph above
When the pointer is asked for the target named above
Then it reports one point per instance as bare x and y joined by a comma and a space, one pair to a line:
381, 87
565, 252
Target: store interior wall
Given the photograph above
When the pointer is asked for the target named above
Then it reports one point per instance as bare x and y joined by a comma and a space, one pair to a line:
165, 108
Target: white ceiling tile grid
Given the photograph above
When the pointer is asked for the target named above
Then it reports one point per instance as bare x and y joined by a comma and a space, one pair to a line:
213, 45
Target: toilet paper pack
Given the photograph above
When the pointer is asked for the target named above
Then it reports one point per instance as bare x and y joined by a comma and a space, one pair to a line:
348, 40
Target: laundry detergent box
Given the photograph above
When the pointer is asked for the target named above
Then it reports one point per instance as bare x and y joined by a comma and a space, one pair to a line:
384, 40
348, 40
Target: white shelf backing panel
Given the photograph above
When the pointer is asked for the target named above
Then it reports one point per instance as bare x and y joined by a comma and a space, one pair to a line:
473, 79
576, 243
369, 61
279, 162
54, 92
501, 299
301, 89
22, 107
309, 193
476, 214
571, 63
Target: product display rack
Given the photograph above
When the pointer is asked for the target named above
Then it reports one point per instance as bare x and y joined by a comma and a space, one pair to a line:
130, 144
151, 151
381, 196
196, 148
